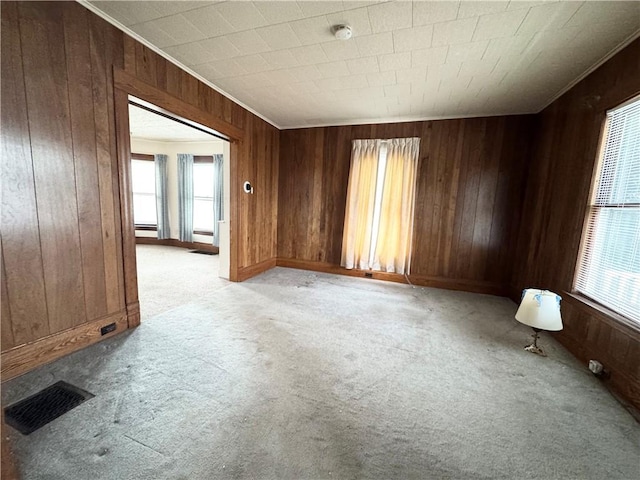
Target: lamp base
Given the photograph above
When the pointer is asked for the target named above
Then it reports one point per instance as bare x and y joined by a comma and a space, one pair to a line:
534, 348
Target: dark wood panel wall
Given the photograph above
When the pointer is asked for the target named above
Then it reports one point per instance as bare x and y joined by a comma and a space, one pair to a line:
469, 193
62, 245
558, 183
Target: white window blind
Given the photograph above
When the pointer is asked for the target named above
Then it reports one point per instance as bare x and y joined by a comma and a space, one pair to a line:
609, 267
143, 180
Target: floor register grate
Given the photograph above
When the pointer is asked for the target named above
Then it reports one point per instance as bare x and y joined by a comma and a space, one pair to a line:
202, 252
36, 411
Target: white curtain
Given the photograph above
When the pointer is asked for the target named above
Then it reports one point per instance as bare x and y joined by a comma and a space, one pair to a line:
218, 197
185, 197
395, 233
162, 199
378, 225
361, 194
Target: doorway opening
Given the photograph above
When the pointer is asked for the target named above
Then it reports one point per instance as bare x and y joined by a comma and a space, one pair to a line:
179, 179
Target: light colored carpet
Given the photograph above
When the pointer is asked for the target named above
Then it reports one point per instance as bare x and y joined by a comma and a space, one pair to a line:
300, 375
169, 277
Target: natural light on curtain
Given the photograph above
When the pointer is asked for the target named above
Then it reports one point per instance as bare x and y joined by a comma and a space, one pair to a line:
380, 203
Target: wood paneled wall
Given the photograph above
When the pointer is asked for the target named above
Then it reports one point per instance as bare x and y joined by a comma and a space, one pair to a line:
468, 196
60, 209
558, 182
62, 245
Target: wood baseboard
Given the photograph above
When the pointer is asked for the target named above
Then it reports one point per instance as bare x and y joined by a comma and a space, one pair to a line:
24, 358
173, 242
421, 280
621, 382
133, 314
253, 270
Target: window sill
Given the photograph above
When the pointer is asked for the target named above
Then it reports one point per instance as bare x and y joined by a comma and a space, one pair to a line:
608, 316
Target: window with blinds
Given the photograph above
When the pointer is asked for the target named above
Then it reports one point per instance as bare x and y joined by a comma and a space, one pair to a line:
609, 264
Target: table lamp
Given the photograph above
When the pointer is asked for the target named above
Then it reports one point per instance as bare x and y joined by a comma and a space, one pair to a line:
540, 309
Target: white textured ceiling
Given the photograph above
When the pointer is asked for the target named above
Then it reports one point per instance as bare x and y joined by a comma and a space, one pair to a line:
151, 126
406, 60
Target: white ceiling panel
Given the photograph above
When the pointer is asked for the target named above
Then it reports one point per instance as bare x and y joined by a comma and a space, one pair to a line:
377, 44
426, 13
389, 16
454, 31
412, 38
406, 60
151, 126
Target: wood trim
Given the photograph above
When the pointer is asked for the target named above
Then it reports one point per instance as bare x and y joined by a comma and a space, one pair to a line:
606, 315
133, 314
463, 285
473, 286
26, 357
617, 380
162, 99
234, 198
174, 242
123, 145
253, 270
125, 85
142, 156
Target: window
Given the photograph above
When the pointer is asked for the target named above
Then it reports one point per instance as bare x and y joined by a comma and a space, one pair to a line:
203, 181
143, 179
609, 264
378, 225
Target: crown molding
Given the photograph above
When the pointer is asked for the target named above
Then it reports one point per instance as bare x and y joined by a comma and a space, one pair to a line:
86, 4
625, 43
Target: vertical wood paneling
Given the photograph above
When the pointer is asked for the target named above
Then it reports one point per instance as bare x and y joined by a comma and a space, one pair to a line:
24, 275
101, 76
61, 224
258, 158
7, 341
557, 194
486, 197
472, 152
51, 146
467, 195
113, 59
83, 133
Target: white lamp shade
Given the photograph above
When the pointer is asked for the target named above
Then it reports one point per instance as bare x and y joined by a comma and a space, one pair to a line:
540, 309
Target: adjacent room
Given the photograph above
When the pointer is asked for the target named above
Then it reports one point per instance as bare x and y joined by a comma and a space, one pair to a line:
177, 182
317, 239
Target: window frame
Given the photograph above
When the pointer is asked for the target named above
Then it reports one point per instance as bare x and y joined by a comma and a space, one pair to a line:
613, 316
150, 227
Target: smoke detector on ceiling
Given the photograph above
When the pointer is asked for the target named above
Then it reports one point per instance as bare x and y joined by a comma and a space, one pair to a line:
342, 32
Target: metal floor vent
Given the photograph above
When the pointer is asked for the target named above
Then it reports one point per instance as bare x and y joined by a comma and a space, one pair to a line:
36, 411
203, 252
